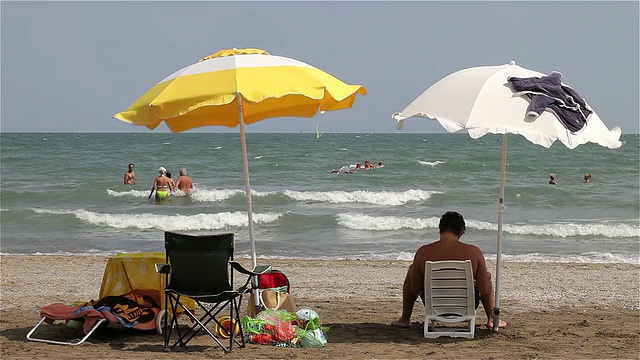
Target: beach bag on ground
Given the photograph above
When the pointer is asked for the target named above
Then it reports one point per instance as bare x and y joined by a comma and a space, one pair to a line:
310, 331
274, 291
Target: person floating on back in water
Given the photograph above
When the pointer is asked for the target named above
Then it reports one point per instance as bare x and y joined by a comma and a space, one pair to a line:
130, 176
161, 185
552, 180
344, 170
184, 183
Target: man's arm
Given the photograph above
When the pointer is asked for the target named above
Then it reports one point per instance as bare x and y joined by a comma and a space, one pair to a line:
484, 286
417, 274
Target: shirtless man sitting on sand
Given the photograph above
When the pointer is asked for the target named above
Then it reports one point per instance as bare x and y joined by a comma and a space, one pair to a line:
448, 247
161, 185
184, 182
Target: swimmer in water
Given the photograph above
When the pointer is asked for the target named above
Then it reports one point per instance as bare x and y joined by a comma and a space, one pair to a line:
130, 176
172, 184
184, 183
343, 170
161, 185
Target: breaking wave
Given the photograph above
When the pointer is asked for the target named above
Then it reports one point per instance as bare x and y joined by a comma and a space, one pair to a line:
166, 222
358, 221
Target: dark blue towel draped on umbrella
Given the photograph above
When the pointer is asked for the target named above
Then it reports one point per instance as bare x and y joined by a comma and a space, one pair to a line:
549, 92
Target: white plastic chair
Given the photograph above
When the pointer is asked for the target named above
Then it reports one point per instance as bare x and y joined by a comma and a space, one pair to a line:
449, 299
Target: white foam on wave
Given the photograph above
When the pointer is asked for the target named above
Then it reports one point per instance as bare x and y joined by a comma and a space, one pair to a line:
390, 198
431, 163
96, 253
563, 229
166, 222
52, 211
586, 258
205, 195
358, 221
131, 193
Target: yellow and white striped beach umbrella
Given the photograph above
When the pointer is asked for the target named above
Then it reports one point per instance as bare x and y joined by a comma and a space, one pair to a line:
210, 91
237, 87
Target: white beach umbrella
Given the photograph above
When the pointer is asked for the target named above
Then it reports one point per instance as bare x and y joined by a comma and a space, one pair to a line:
481, 100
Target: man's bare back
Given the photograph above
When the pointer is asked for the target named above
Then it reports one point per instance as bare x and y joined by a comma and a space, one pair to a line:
184, 182
447, 249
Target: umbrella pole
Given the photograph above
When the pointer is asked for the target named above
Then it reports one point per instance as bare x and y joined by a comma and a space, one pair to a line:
247, 186
501, 210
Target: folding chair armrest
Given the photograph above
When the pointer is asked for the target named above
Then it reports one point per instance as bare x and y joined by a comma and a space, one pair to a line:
163, 268
258, 270
262, 269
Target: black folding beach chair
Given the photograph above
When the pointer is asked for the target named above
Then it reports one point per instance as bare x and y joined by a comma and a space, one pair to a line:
201, 267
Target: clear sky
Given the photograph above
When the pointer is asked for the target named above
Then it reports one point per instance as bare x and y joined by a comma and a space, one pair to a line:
69, 66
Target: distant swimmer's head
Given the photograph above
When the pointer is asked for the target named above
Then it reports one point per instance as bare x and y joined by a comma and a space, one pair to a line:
162, 170
183, 171
168, 174
552, 176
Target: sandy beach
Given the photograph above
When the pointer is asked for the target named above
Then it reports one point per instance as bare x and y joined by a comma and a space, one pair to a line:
568, 311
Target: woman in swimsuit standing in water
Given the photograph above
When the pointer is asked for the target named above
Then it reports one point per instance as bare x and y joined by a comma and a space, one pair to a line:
161, 185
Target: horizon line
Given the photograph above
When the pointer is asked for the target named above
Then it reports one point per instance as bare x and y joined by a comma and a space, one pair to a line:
461, 132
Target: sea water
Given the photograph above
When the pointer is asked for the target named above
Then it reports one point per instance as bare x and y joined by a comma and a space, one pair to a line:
63, 193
